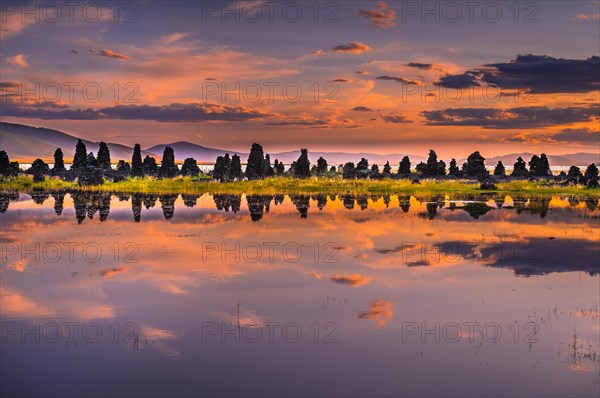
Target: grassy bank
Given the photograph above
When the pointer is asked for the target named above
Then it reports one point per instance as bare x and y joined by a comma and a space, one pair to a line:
292, 186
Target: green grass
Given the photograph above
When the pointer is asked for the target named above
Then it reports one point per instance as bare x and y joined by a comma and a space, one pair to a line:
292, 186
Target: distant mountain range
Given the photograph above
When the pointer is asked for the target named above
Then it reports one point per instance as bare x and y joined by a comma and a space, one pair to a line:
26, 143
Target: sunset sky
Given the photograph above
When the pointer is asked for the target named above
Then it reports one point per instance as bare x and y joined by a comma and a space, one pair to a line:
388, 77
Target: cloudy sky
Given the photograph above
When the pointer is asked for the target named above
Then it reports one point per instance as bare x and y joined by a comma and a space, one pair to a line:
398, 76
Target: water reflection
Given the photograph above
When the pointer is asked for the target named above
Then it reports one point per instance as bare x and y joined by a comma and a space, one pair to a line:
365, 268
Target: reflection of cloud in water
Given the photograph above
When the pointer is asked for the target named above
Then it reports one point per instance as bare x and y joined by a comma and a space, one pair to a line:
351, 280
381, 312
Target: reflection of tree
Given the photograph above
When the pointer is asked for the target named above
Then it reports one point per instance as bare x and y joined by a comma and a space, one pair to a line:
476, 209
321, 200
123, 196
302, 203
149, 201
226, 202
167, 203
573, 200
257, 205
278, 199
88, 203
591, 203
362, 201
39, 196
404, 203
348, 201
59, 200
386, 200
431, 211
6, 198
538, 206
189, 200
104, 206
136, 206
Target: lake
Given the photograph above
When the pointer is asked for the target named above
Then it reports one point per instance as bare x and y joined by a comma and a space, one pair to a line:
235, 295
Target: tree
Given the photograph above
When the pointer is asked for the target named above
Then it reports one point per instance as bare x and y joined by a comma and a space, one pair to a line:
254, 168
544, 166
499, 170
574, 172
321, 166
276, 167
168, 168
349, 172
104, 156
4, 164
137, 169
520, 168
453, 169
591, 171
475, 166
267, 169
387, 169
80, 156
150, 166
235, 168
221, 169
421, 168
59, 162
123, 169
374, 169
190, 168
362, 168
332, 170
91, 174
404, 166
302, 167
39, 167
431, 170
441, 168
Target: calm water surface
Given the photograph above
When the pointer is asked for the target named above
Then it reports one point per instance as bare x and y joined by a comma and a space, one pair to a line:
276, 295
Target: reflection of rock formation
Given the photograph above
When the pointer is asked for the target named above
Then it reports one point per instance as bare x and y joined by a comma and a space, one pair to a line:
257, 205
167, 203
189, 200
227, 202
136, 206
59, 200
302, 203
6, 198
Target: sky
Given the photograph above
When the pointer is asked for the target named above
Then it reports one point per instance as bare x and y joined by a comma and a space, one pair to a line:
359, 76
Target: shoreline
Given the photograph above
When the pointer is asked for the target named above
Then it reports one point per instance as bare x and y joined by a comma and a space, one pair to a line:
285, 185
